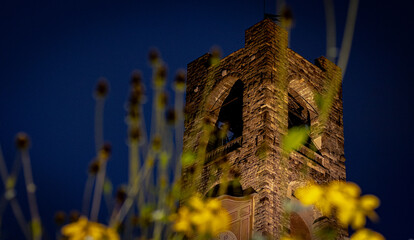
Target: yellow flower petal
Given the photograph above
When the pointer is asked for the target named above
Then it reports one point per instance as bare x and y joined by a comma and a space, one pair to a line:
196, 203
344, 216
213, 204
366, 234
112, 234
358, 220
351, 189
310, 194
369, 202
74, 228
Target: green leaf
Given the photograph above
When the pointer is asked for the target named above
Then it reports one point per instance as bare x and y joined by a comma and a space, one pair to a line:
36, 228
295, 138
188, 158
107, 187
164, 158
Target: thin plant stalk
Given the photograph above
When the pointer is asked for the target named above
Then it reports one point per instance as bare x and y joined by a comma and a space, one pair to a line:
100, 178
179, 132
280, 4
132, 193
9, 183
99, 109
331, 50
31, 189
87, 194
17, 211
348, 35
108, 194
144, 152
97, 196
3, 205
3, 168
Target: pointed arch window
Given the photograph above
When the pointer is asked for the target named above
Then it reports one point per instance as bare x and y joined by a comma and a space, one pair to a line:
298, 112
229, 124
299, 115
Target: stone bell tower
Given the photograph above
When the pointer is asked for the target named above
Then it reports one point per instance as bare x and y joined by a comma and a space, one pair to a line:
253, 96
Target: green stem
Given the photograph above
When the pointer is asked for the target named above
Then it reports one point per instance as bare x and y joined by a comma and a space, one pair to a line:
31, 189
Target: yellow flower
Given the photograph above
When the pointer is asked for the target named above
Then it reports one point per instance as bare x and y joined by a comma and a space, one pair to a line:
314, 194
182, 223
340, 192
289, 238
309, 194
344, 197
206, 218
355, 213
196, 203
213, 204
366, 234
83, 229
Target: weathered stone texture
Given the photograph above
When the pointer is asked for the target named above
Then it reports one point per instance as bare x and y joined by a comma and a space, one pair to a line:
268, 70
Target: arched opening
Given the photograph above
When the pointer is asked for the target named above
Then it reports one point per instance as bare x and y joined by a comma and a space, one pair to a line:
239, 204
231, 188
299, 115
298, 227
298, 111
229, 124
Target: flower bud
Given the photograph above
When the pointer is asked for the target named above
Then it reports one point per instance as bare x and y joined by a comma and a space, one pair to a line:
121, 195
153, 56
170, 116
74, 216
156, 143
160, 76
179, 81
105, 151
94, 167
102, 88
22, 141
60, 218
136, 78
135, 134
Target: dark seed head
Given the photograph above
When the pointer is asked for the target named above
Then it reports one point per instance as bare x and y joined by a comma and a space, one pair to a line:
135, 220
287, 16
60, 218
134, 99
22, 141
179, 81
153, 56
74, 216
121, 195
102, 88
215, 52
94, 167
106, 151
156, 143
133, 114
136, 78
215, 56
160, 76
138, 92
134, 134
170, 116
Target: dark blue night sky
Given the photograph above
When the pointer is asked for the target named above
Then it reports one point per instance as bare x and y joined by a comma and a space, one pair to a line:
52, 53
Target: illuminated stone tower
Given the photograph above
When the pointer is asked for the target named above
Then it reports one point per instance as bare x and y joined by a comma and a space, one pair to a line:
259, 92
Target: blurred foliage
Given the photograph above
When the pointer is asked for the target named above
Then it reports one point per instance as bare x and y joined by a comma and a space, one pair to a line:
151, 205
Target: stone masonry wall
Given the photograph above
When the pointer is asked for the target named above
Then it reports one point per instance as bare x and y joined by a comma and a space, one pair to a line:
267, 69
